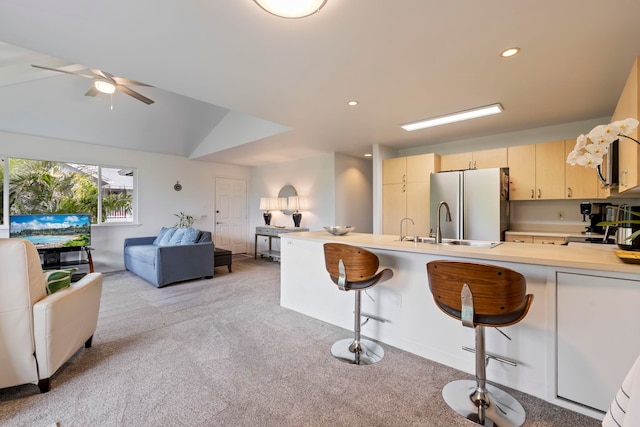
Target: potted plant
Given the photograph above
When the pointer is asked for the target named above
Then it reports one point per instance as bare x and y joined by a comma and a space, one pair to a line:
184, 220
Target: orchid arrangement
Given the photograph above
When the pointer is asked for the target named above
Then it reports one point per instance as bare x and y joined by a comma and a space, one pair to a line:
591, 148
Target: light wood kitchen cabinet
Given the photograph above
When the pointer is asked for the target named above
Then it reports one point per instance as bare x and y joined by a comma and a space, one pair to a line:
405, 193
580, 182
536, 171
518, 238
628, 150
548, 240
484, 159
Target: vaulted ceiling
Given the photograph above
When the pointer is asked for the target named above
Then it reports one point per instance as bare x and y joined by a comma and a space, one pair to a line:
234, 84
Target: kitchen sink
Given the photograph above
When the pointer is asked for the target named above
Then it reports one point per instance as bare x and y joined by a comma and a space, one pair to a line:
458, 242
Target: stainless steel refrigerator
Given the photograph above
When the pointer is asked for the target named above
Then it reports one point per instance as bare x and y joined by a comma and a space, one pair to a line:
478, 200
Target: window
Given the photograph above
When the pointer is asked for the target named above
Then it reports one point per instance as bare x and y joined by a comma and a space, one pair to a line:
40, 186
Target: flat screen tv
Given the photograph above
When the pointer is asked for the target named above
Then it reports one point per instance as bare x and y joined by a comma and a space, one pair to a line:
52, 231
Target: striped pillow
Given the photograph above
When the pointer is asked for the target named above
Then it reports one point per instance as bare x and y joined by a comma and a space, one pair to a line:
58, 279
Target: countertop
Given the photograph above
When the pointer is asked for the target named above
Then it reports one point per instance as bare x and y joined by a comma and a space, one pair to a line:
586, 257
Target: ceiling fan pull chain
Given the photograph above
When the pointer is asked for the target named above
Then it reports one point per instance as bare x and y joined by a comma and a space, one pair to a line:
112, 102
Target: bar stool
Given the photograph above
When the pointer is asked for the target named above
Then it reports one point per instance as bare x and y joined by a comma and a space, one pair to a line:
480, 295
355, 269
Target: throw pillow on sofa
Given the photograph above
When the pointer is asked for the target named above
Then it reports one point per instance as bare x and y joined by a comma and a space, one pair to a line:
161, 234
57, 279
166, 237
189, 237
176, 238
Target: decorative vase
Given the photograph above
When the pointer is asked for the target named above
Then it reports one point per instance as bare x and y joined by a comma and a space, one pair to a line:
267, 218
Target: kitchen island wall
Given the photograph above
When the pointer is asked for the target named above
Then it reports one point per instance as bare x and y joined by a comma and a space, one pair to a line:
571, 354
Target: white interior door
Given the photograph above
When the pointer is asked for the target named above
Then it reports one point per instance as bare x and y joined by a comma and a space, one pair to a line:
231, 215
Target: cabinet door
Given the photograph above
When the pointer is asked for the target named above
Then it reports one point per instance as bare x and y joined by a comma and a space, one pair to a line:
455, 162
485, 159
548, 240
597, 326
518, 238
418, 208
394, 207
550, 161
394, 171
522, 172
581, 182
420, 167
628, 154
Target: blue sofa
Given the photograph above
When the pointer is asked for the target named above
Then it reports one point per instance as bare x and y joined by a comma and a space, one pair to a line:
173, 256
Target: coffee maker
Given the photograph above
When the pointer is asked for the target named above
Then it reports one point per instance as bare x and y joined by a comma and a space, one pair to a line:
597, 212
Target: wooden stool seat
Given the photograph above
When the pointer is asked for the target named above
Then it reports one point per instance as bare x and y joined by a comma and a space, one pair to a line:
480, 295
355, 269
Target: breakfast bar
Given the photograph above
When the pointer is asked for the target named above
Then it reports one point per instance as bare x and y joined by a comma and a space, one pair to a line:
572, 349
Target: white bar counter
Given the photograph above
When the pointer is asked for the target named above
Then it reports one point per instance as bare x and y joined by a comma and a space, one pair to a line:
573, 349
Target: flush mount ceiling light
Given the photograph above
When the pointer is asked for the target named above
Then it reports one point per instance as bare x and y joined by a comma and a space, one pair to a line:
352, 103
512, 51
454, 117
104, 86
291, 8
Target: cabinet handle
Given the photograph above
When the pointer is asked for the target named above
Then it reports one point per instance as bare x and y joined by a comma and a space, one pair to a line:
532, 194
404, 178
623, 181
539, 193
545, 242
569, 193
469, 165
474, 165
518, 241
404, 188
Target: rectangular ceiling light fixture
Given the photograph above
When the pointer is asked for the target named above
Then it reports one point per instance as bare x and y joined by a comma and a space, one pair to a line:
454, 117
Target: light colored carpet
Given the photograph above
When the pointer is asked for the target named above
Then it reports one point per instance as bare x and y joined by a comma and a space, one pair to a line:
222, 352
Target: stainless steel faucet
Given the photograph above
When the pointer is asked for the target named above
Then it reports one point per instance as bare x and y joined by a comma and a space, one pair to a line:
447, 218
401, 222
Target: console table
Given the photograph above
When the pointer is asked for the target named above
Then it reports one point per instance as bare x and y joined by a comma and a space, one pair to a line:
51, 258
272, 231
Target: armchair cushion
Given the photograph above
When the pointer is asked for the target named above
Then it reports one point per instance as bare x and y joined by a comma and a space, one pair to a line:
176, 237
166, 237
58, 279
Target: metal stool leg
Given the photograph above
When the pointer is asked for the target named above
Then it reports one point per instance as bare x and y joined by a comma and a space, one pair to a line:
480, 402
357, 351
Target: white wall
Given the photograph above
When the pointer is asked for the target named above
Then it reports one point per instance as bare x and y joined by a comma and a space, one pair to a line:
156, 175
354, 192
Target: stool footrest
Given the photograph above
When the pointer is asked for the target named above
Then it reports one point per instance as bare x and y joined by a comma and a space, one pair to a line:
492, 356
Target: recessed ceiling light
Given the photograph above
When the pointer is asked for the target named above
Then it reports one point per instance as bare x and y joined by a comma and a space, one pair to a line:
352, 103
510, 52
454, 117
368, 155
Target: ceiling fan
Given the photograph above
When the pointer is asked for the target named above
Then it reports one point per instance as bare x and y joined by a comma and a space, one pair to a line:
106, 83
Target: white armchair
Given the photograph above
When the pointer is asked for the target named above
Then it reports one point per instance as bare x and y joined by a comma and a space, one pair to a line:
38, 333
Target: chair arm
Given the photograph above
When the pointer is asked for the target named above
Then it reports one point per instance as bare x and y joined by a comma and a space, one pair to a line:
195, 259
132, 241
64, 321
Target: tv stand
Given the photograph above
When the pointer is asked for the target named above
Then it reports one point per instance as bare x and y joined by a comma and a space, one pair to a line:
51, 259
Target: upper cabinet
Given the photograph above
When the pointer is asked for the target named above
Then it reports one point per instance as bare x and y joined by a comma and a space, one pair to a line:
628, 150
485, 159
536, 171
405, 192
581, 182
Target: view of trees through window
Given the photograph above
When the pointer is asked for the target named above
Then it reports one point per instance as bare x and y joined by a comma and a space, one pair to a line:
40, 186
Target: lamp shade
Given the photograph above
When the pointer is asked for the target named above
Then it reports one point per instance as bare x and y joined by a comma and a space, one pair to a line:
264, 204
295, 203
291, 8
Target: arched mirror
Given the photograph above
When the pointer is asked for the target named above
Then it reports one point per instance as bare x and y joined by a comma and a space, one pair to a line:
283, 197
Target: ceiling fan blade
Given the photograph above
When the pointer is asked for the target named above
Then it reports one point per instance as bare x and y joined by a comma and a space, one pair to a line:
123, 81
92, 91
63, 71
135, 94
101, 73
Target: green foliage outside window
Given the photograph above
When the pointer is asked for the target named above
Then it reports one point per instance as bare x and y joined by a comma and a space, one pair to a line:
37, 187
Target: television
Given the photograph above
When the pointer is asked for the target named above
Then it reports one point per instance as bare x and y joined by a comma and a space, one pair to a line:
52, 231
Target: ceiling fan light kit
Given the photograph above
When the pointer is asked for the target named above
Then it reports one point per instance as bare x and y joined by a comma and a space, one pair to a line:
104, 86
106, 83
291, 8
